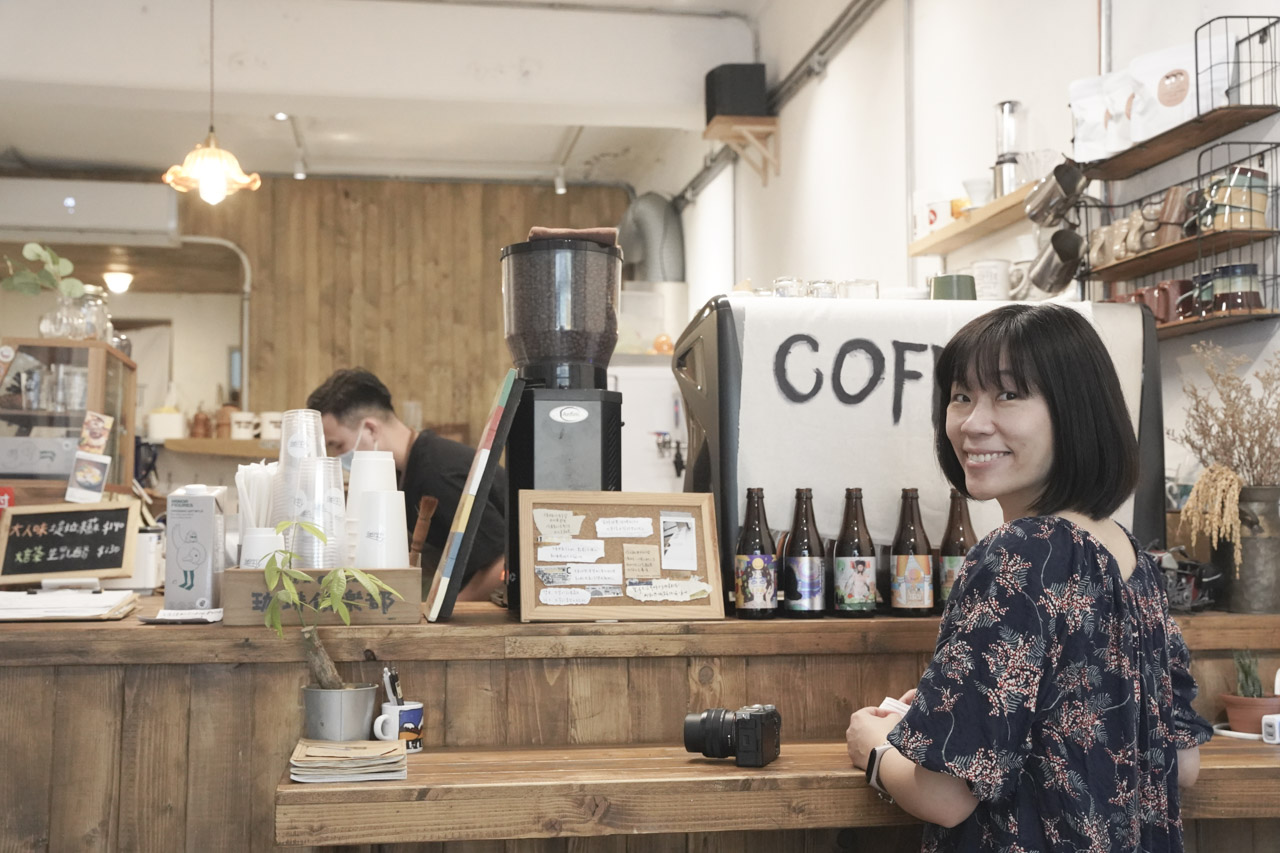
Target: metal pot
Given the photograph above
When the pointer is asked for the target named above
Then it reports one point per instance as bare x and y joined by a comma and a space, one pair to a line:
345, 714
1058, 261
1055, 194
1254, 585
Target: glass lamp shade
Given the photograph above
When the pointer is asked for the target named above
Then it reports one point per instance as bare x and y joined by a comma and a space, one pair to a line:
212, 171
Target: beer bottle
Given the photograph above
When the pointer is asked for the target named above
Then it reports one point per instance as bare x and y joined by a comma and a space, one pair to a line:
803, 574
911, 563
956, 544
755, 573
855, 562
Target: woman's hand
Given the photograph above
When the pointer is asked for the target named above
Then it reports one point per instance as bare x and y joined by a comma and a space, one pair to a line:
868, 728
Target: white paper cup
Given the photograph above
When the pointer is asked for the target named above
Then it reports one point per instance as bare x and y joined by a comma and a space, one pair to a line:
384, 537
257, 544
371, 471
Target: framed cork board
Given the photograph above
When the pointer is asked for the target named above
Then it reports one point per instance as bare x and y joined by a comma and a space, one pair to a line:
618, 556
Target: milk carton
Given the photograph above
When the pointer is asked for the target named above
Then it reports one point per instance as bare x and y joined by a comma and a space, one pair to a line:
195, 554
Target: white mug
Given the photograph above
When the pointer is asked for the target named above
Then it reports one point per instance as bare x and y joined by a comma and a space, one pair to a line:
272, 425
402, 722
244, 425
1271, 728
257, 545
991, 279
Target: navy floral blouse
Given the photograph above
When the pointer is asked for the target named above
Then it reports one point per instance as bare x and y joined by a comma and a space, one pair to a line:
1060, 693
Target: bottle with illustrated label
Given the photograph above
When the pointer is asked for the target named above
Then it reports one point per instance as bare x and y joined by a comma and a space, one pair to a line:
957, 541
855, 562
755, 571
911, 563
803, 576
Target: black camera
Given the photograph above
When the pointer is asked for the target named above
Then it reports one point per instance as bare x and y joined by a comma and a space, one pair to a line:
752, 734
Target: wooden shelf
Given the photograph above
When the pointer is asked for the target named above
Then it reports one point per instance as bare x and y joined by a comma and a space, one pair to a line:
249, 448
974, 225
754, 138
1183, 251
76, 415
1196, 325
1185, 137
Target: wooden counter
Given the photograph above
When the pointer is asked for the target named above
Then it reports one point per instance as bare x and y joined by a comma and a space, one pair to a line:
454, 794
124, 736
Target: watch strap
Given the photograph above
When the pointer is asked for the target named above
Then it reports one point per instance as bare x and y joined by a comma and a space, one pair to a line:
873, 771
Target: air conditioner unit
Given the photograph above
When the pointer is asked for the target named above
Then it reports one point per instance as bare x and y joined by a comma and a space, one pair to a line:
92, 212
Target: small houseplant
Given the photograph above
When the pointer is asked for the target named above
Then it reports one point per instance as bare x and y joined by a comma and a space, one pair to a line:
325, 702
1233, 428
52, 273
1246, 707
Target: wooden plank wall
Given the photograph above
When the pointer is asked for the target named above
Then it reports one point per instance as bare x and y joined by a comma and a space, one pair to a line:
401, 277
186, 757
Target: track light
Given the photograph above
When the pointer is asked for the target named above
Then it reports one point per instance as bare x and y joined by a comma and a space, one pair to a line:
560, 187
281, 116
299, 170
118, 282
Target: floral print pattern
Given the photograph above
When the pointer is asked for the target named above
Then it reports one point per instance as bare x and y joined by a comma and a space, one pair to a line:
1060, 693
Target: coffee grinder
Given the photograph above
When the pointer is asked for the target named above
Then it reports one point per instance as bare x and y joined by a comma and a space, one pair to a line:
560, 300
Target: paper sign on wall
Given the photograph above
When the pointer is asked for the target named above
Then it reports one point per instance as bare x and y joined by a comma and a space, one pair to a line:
558, 525
580, 574
572, 551
666, 589
563, 595
624, 527
641, 561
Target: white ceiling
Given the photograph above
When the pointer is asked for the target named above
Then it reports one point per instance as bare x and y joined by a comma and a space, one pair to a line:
407, 88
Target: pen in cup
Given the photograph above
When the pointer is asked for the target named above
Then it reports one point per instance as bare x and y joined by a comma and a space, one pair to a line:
386, 683
395, 685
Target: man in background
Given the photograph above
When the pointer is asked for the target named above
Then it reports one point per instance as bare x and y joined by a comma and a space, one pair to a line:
355, 408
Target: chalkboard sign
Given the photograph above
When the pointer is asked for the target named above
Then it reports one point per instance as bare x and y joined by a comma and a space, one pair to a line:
67, 540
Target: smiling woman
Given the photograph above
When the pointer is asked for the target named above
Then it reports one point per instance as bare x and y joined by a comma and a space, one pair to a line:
1060, 687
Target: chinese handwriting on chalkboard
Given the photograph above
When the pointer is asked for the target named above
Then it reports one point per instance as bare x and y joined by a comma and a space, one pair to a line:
88, 526
38, 554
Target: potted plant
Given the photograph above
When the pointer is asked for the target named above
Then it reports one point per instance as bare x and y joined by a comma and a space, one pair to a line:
53, 273
1233, 428
1246, 707
332, 708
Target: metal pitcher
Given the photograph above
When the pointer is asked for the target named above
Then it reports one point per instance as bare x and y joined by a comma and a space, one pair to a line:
1255, 583
1055, 194
1058, 261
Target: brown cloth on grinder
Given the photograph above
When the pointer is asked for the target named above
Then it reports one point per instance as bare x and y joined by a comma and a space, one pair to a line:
604, 236
426, 508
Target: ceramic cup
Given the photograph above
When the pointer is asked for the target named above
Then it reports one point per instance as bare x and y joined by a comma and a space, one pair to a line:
272, 422
257, 544
952, 287
244, 425
991, 279
403, 722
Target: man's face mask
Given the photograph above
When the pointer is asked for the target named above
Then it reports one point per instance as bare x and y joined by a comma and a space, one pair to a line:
347, 457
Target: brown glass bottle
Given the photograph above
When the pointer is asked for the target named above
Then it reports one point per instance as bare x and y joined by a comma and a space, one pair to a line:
854, 570
911, 563
802, 580
755, 571
957, 541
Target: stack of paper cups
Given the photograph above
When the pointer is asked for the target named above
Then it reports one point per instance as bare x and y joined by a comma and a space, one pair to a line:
301, 436
384, 537
371, 470
257, 545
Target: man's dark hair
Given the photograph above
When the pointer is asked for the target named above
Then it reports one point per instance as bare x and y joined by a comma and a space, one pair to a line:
1055, 352
352, 391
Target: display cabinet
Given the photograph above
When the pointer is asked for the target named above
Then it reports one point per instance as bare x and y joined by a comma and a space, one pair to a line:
46, 386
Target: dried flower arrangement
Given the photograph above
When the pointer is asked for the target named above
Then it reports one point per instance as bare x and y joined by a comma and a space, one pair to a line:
1237, 440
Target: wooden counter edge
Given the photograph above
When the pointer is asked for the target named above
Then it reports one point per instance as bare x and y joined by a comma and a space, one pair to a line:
1238, 780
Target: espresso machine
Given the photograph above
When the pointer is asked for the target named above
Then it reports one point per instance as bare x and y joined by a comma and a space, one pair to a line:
560, 300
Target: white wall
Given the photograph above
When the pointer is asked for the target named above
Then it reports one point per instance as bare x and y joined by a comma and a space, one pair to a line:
205, 327
708, 224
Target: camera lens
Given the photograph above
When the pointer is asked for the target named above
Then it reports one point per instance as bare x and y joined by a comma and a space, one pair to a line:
709, 733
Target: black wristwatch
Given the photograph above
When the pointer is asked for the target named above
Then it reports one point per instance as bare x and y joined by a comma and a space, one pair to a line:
873, 771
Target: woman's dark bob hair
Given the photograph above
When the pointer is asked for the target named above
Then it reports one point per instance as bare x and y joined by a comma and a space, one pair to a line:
1055, 352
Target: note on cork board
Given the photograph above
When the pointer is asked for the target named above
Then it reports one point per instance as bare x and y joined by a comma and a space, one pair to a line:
623, 556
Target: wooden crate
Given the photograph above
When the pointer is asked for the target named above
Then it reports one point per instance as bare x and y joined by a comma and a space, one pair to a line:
244, 598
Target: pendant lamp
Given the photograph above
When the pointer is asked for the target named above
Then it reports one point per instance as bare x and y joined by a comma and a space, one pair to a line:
212, 171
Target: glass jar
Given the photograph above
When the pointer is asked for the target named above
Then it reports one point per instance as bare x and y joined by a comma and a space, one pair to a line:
1236, 288
788, 286
93, 307
64, 321
822, 289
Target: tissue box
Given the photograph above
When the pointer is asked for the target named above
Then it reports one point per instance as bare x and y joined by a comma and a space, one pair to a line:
195, 555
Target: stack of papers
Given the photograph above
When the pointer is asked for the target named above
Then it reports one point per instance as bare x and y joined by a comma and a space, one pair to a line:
46, 605
348, 761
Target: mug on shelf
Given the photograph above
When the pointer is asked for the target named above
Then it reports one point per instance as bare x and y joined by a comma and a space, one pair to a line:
244, 425
272, 424
400, 722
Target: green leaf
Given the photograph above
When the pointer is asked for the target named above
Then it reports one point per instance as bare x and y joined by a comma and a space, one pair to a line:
383, 585
46, 279
288, 585
340, 607
283, 526
272, 618
23, 281
34, 252
72, 287
65, 267
314, 531
296, 574
364, 581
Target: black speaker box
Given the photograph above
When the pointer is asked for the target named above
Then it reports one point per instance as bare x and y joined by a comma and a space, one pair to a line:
736, 90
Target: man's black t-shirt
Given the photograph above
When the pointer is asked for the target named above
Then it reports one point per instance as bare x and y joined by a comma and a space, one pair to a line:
438, 467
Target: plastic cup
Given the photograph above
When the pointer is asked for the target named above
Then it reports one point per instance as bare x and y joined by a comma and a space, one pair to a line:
311, 491
371, 471
301, 436
384, 536
257, 544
